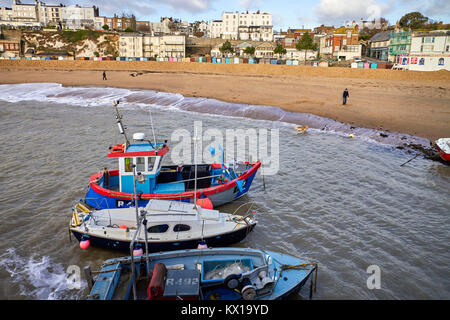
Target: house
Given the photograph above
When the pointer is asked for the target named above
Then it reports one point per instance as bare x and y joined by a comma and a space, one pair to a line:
430, 51
140, 45
399, 44
243, 26
295, 54
9, 46
379, 45
342, 44
265, 50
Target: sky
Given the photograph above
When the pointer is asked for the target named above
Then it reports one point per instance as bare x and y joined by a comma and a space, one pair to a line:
285, 13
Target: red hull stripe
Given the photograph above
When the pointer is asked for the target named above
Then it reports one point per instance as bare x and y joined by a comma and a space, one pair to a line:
443, 155
168, 196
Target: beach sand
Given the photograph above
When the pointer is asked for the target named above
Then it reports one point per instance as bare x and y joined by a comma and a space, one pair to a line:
416, 103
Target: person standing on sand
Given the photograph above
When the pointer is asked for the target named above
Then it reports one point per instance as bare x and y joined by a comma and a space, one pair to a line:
104, 75
345, 95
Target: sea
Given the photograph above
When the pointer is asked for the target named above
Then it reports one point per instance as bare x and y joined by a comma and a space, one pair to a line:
339, 197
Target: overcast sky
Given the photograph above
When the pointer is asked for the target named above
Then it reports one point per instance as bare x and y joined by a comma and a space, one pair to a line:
286, 13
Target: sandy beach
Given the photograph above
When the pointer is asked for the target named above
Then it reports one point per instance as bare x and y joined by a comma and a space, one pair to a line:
416, 103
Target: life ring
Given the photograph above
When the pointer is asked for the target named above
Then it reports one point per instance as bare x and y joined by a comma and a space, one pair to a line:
118, 148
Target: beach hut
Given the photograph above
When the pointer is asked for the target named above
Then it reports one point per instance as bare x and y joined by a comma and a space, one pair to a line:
366, 65
373, 66
214, 60
354, 65
236, 61
360, 64
295, 63
227, 60
273, 61
219, 60
245, 60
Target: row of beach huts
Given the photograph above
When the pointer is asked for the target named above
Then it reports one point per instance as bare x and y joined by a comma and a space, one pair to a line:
231, 60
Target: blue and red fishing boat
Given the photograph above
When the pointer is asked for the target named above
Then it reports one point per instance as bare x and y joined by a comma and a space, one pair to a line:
212, 184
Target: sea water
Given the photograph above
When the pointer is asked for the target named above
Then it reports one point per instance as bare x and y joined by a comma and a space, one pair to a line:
344, 203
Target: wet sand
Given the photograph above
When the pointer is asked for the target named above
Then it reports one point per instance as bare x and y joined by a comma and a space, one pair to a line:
416, 103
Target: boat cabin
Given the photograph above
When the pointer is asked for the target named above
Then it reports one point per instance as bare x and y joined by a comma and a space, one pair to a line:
148, 159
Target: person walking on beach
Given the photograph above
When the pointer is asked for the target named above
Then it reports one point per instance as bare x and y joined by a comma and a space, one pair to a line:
104, 75
345, 95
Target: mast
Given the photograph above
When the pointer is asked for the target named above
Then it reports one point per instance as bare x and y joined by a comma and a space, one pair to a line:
120, 124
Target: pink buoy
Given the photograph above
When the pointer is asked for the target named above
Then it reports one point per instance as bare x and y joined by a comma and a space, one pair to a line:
138, 252
205, 203
202, 245
84, 244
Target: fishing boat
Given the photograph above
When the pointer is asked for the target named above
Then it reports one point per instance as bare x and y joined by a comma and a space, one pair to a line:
443, 147
219, 182
202, 274
169, 225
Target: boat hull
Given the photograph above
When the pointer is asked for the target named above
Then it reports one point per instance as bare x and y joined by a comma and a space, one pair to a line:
101, 198
442, 146
287, 281
222, 240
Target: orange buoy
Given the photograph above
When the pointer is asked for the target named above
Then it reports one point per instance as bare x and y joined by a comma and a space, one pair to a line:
118, 148
123, 227
205, 203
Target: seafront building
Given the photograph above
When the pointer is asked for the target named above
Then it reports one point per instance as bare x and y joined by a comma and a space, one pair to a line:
243, 26
40, 14
399, 45
379, 46
430, 51
140, 45
341, 44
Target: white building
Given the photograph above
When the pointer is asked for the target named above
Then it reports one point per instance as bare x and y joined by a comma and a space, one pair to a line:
76, 17
300, 55
215, 29
243, 26
161, 27
138, 45
42, 14
430, 51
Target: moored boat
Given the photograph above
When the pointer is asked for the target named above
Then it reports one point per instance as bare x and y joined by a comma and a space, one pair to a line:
203, 274
220, 182
443, 147
169, 225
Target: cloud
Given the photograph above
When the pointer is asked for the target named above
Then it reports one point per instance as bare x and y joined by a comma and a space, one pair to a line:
249, 4
338, 11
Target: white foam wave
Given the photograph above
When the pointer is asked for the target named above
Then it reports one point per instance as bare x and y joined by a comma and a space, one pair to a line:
143, 99
38, 277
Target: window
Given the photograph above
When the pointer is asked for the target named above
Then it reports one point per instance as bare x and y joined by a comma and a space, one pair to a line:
447, 48
422, 61
160, 228
181, 227
128, 165
140, 164
441, 62
151, 163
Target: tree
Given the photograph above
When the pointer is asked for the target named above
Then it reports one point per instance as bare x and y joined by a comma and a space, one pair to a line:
249, 50
226, 47
279, 50
105, 27
306, 42
413, 20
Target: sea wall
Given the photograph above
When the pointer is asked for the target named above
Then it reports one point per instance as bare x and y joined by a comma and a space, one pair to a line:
243, 69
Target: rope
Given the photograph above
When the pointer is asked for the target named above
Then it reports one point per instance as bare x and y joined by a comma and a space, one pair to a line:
304, 265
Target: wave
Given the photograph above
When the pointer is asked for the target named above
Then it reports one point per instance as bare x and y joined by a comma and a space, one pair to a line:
39, 278
132, 98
